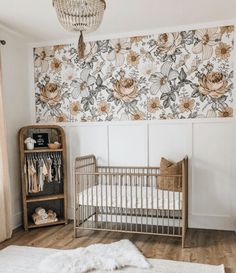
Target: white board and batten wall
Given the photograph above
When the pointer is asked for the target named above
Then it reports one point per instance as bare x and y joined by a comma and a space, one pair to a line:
208, 144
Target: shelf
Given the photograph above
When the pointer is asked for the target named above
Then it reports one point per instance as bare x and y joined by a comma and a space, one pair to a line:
42, 150
44, 198
59, 222
54, 196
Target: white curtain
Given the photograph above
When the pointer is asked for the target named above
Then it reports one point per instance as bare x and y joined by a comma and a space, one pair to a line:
5, 197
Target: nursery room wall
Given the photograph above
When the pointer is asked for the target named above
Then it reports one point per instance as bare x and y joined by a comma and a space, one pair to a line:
16, 99
209, 141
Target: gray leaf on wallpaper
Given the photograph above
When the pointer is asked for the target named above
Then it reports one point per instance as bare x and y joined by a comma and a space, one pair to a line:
179, 75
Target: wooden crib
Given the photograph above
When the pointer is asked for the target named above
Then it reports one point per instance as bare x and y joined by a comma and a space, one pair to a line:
129, 199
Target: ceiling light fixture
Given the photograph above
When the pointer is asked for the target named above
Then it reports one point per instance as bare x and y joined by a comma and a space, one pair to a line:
81, 16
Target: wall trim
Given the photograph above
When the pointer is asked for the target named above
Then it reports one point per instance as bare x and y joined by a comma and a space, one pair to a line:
144, 122
198, 221
14, 32
212, 222
17, 220
96, 37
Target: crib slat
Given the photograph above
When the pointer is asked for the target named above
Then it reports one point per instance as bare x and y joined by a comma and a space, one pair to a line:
173, 210
136, 198
126, 201
146, 202
141, 189
117, 185
111, 190
152, 203
163, 211
121, 195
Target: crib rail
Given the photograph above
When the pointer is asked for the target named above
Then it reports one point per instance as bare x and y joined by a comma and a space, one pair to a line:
128, 199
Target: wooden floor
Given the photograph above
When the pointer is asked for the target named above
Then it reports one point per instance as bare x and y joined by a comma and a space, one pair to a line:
210, 247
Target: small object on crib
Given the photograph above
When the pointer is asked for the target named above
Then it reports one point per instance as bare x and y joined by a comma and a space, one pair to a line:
55, 145
41, 217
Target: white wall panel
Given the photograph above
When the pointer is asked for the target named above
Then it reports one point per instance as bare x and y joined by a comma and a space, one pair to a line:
128, 145
171, 140
84, 139
208, 145
212, 146
89, 139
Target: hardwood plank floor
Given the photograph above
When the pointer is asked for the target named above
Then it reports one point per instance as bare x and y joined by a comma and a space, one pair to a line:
202, 246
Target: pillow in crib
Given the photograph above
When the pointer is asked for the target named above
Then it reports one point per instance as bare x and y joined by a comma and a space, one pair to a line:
169, 168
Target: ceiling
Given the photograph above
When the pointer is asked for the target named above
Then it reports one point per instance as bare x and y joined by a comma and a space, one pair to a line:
36, 19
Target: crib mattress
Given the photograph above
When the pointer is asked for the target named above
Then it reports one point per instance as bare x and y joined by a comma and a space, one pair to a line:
117, 196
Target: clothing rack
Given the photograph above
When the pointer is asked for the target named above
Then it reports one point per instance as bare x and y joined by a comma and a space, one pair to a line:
40, 168
43, 174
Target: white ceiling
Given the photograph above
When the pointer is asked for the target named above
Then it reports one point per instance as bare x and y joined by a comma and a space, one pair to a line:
37, 20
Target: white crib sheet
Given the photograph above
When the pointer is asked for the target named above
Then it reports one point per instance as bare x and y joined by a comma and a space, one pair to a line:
130, 197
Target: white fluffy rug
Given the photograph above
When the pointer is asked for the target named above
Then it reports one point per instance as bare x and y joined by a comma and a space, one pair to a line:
95, 257
27, 260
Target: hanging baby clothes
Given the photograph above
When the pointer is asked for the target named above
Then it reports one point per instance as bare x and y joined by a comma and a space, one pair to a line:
40, 168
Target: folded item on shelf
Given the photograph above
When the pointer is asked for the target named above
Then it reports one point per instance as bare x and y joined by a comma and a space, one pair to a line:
41, 212
39, 221
42, 217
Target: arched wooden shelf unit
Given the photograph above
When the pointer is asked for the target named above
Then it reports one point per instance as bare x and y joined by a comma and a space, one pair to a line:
54, 193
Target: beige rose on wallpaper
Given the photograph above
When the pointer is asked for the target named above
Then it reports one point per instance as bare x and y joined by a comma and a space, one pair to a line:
125, 89
50, 94
168, 42
213, 84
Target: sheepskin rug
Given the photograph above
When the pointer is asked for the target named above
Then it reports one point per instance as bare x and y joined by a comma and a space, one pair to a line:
22, 259
99, 256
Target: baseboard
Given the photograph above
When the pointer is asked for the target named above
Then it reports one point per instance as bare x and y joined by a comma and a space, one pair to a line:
195, 221
70, 213
212, 222
17, 220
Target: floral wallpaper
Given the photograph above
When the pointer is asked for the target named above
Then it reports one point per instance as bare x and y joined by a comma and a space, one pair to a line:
179, 75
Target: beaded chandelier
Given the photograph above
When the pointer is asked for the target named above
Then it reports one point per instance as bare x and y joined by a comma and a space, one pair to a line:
80, 16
